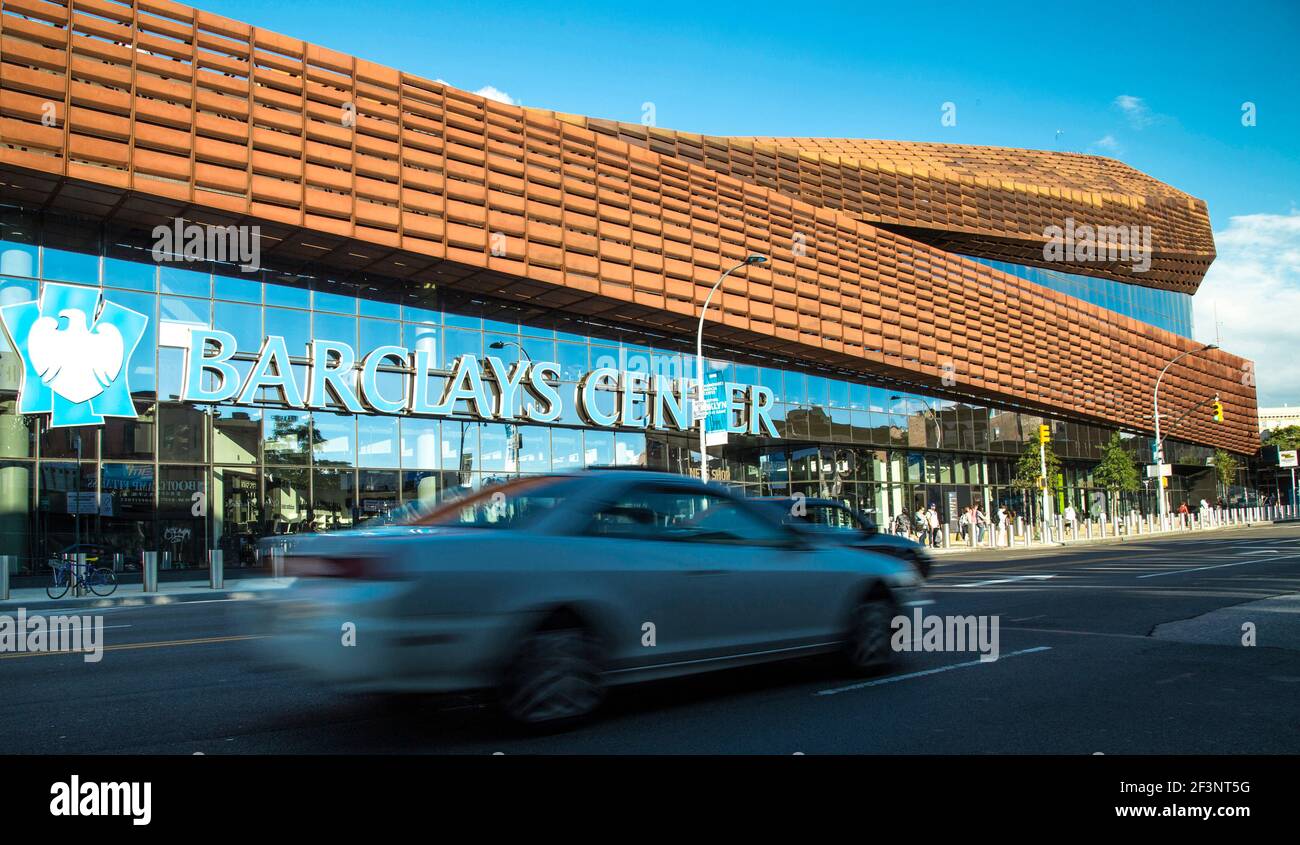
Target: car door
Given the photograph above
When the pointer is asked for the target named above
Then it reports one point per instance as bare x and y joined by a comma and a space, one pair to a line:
759, 585
630, 538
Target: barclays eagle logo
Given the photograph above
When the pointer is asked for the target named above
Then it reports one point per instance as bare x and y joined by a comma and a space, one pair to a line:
75, 346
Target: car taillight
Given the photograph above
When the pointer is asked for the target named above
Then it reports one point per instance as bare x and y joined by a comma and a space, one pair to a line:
310, 566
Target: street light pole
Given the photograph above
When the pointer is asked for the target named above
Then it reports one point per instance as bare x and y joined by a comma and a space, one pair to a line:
699, 360
502, 344
1160, 446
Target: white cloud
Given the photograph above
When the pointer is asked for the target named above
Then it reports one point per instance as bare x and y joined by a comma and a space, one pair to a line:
491, 92
1255, 285
494, 93
1136, 111
1107, 144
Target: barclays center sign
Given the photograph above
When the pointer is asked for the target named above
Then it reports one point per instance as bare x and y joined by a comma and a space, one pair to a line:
75, 345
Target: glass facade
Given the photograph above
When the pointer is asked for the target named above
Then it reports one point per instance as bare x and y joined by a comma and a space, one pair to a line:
1166, 309
183, 478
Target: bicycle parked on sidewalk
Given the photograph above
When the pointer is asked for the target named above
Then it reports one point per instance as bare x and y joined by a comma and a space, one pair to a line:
66, 573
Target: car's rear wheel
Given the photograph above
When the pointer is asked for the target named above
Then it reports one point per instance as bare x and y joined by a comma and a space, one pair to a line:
555, 679
867, 646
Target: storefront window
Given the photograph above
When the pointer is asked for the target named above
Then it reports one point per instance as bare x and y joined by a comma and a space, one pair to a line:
293, 326
332, 327
534, 448
183, 515
566, 448
378, 493
73, 442
289, 437
422, 487
184, 281
125, 522
334, 501
17, 431
236, 435
287, 499
130, 439
182, 431
598, 448
377, 441
242, 321
236, 514
63, 266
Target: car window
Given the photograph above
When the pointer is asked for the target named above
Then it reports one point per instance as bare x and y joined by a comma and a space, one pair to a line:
679, 514
831, 518
511, 505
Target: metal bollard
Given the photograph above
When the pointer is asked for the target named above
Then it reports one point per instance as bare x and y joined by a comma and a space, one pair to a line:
6, 561
149, 573
1088, 533
216, 569
277, 562
82, 573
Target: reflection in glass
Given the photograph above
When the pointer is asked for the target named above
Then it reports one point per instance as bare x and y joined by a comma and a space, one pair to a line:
334, 502
286, 501
289, 437
378, 493
377, 441
130, 439
236, 514
236, 435
419, 443
181, 430
333, 439
182, 533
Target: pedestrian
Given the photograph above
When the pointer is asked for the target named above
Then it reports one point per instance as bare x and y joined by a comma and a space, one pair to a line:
1072, 520
921, 522
932, 519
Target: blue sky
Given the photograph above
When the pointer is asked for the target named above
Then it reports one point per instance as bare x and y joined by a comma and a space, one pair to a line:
1160, 86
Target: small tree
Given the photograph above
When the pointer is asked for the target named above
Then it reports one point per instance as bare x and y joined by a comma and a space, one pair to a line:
1225, 469
1287, 437
1027, 470
1117, 473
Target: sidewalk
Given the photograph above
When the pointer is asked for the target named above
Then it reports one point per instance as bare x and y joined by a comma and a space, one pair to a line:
130, 595
960, 548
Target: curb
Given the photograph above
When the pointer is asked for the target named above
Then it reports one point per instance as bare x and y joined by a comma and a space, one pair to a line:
1106, 541
141, 599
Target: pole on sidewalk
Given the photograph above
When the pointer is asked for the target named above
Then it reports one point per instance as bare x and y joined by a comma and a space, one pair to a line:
216, 569
82, 574
6, 561
149, 573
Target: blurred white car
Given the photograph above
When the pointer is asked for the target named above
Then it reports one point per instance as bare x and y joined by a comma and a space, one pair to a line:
550, 588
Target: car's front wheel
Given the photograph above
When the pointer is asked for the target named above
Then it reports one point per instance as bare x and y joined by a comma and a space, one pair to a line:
554, 680
867, 645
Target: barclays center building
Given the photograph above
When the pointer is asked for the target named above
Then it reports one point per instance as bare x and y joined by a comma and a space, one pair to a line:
250, 286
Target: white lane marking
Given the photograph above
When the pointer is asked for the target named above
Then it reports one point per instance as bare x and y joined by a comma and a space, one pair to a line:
1010, 580
896, 678
1262, 552
1215, 566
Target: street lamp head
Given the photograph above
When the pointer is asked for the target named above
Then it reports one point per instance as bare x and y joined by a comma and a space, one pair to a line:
1209, 346
756, 259
496, 345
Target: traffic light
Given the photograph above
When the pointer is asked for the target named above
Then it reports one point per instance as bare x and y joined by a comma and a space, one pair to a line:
1044, 433
1218, 410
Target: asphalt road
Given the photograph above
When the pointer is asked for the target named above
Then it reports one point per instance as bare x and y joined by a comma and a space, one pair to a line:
1122, 649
